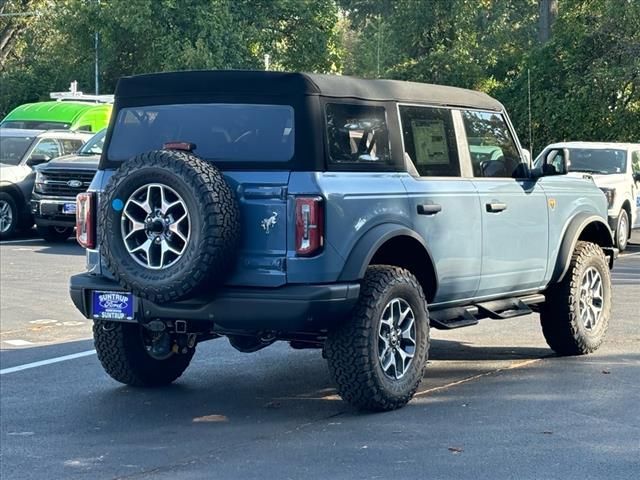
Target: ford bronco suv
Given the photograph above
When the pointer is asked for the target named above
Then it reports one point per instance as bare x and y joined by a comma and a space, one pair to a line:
330, 212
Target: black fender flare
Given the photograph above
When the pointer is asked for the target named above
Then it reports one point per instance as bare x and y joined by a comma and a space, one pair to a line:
572, 233
366, 247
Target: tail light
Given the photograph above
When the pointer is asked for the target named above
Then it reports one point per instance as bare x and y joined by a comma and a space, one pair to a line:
309, 225
85, 219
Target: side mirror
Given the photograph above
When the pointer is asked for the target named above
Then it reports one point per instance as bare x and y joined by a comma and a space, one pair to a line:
38, 159
527, 156
636, 177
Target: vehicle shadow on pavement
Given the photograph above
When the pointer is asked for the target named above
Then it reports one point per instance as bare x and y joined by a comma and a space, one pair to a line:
454, 350
69, 247
277, 384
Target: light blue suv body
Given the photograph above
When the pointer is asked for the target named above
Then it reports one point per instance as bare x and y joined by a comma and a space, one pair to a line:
341, 175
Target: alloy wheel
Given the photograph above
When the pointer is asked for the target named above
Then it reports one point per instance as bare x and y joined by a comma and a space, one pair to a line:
155, 226
396, 338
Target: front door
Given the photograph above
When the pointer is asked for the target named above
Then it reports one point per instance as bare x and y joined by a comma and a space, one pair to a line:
513, 208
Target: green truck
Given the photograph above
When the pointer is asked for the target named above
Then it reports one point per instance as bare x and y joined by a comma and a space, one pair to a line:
70, 110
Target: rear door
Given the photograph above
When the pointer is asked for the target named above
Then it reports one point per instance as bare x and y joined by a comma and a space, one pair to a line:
444, 205
513, 208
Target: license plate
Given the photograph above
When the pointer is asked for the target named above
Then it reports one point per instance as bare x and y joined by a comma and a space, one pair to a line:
69, 208
112, 306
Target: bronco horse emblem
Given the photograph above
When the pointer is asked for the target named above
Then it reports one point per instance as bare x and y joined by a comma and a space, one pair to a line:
268, 223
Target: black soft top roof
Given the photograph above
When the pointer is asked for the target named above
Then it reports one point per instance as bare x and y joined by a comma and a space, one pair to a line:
234, 82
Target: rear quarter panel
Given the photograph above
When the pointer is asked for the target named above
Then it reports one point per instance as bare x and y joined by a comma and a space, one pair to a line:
355, 202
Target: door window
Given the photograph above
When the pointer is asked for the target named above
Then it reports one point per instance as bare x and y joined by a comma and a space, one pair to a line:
70, 146
491, 146
635, 161
430, 141
48, 147
357, 134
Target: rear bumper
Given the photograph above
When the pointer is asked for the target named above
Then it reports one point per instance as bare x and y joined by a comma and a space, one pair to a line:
293, 308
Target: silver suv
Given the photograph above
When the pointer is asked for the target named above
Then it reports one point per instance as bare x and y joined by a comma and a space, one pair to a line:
20, 151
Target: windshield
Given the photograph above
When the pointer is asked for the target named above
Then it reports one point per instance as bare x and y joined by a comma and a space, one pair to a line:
12, 149
227, 132
35, 125
602, 161
94, 145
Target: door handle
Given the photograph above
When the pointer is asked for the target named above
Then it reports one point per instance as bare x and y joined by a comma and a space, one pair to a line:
429, 208
495, 207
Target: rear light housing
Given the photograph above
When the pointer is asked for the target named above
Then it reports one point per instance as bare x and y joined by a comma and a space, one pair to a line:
85, 219
309, 226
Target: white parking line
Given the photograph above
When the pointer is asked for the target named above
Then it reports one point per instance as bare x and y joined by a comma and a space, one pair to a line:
64, 358
623, 255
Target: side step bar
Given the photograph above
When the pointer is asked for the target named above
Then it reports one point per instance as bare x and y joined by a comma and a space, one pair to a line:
457, 317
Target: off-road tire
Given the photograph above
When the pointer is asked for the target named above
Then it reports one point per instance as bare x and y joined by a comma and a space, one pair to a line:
15, 216
53, 235
215, 224
560, 315
352, 352
123, 356
622, 230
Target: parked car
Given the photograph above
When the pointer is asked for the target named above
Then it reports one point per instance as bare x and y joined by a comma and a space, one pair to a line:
71, 110
614, 167
20, 151
57, 183
329, 212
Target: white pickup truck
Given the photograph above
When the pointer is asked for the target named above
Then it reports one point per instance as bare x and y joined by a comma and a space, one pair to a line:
615, 168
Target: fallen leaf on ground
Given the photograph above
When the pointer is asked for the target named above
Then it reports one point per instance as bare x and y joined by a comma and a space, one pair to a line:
606, 372
210, 418
456, 450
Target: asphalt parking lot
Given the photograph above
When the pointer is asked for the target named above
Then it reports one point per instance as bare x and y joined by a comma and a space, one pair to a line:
495, 403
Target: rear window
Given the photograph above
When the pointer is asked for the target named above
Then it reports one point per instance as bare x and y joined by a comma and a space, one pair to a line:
225, 132
36, 125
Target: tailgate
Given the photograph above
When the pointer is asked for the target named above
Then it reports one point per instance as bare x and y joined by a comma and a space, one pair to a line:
263, 215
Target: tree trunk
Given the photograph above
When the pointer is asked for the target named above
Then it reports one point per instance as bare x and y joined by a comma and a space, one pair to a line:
548, 10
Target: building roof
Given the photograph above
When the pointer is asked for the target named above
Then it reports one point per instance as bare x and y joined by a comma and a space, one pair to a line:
221, 82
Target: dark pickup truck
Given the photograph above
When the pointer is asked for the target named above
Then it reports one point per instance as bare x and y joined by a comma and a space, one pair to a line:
53, 202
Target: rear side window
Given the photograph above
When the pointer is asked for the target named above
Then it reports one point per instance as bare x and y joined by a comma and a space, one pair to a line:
48, 147
430, 141
635, 161
70, 146
357, 135
225, 132
491, 146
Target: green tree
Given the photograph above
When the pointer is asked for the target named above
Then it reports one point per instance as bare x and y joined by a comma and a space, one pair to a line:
162, 35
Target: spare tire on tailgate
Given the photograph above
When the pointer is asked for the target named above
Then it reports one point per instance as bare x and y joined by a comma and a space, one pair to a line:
169, 225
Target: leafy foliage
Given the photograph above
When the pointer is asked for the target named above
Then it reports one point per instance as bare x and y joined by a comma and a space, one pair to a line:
585, 80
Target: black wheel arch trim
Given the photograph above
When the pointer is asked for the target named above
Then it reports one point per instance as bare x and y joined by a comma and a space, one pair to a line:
572, 233
366, 247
